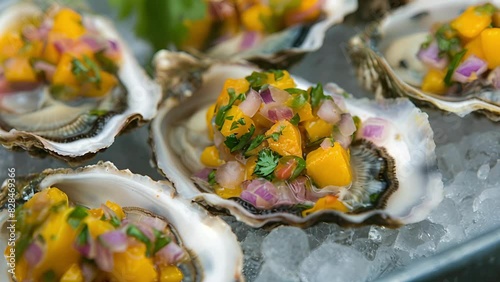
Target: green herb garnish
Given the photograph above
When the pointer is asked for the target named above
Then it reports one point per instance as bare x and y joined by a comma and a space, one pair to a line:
135, 232
295, 119
49, 276
86, 71
300, 97
115, 221
278, 74
487, 8
234, 143
83, 237
161, 240
257, 80
221, 113
453, 65
317, 95
76, 216
211, 178
267, 161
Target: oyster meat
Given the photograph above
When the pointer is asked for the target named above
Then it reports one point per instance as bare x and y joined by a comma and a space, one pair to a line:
391, 60
209, 250
394, 173
68, 85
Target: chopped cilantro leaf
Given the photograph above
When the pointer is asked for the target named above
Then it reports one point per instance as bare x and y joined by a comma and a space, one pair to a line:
83, 237
278, 74
295, 119
115, 221
317, 95
221, 113
453, 65
161, 240
276, 135
256, 142
300, 97
267, 161
257, 80
135, 232
211, 178
231, 141
234, 125
235, 144
76, 216
242, 121
487, 8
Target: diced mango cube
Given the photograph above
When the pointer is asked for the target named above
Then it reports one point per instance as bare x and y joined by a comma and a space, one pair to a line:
474, 47
227, 193
106, 84
328, 202
305, 112
317, 129
210, 157
18, 69
309, 8
329, 166
97, 226
490, 39
433, 82
63, 74
69, 23
117, 209
10, 44
133, 265
250, 167
284, 82
289, 142
470, 23
252, 17
73, 274
236, 122
238, 85
170, 273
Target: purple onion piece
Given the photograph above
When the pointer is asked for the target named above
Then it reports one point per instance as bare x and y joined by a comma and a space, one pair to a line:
266, 96
203, 174
104, 257
346, 125
249, 197
249, 39
154, 222
430, 57
171, 253
115, 241
373, 131
33, 254
466, 70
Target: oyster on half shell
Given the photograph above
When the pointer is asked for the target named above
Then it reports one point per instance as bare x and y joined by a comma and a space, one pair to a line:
283, 47
214, 252
385, 58
400, 166
38, 120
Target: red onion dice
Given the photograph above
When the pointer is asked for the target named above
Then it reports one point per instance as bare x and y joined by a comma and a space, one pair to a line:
251, 104
346, 125
469, 69
430, 57
230, 175
329, 112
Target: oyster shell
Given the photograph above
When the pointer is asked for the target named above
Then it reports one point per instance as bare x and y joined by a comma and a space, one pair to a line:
384, 56
41, 124
214, 250
284, 47
403, 165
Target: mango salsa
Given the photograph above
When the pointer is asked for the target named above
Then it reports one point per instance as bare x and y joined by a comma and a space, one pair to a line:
69, 236
278, 143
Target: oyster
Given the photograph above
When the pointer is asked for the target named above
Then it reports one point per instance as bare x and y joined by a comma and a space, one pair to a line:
400, 167
71, 96
385, 58
279, 48
214, 253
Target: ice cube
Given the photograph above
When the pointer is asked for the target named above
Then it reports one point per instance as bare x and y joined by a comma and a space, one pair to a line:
334, 262
252, 255
284, 249
366, 246
319, 232
454, 235
268, 274
387, 259
412, 236
483, 171
446, 213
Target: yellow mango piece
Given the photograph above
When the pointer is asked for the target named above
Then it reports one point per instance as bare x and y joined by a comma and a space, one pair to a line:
490, 39
236, 122
97, 226
58, 235
227, 193
107, 83
133, 265
73, 274
470, 23
433, 82
250, 167
210, 157
262, 122
474, 47
328, 202
305, 112
251, 17
18, 69
198, 32
209, 116
63, 74
10, 44
289, 142
317, 129
50, 53
170, 273
97, 213
41, 200
330, 166
239, 85
286, 81
305, 5
69, 23
116, 208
